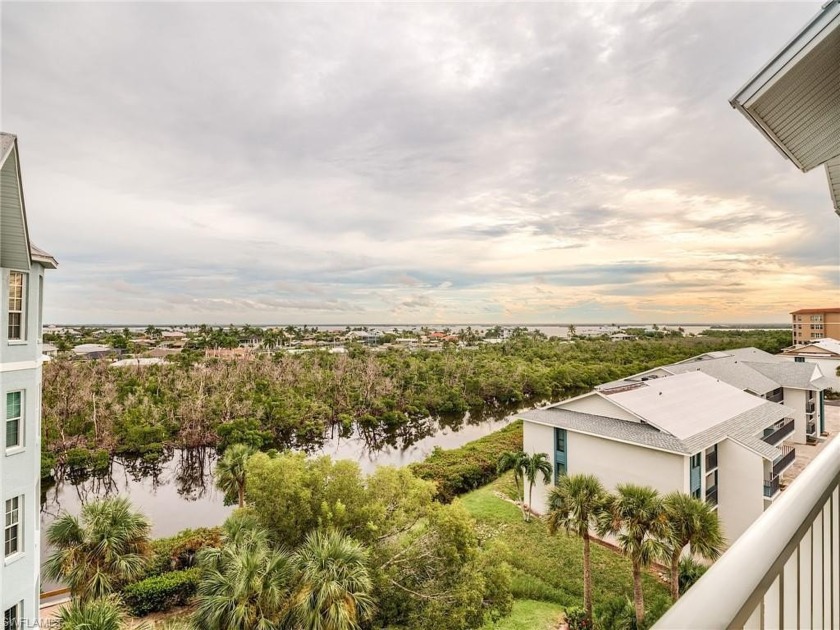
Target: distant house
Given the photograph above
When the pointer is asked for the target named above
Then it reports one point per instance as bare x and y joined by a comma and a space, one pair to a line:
824, 352
172, 334
48, 349
94, 351
686, 432
139, 362
161, 353
621, 337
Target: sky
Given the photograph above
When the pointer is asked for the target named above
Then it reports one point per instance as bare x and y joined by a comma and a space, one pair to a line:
388, 163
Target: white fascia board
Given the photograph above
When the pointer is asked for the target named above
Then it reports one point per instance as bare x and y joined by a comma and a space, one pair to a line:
804, 42
606, 437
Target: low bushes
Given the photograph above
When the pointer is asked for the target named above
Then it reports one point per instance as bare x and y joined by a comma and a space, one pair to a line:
178, 552
460, 470
161, 592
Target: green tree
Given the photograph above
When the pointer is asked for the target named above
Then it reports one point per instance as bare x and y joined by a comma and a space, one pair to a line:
232, 472
334, 586
515, 461
636, 515
98, 614
245, 585
533, 465
100, 552
692, 522
575, 505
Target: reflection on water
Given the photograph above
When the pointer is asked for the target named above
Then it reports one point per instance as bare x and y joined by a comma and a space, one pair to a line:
177, 491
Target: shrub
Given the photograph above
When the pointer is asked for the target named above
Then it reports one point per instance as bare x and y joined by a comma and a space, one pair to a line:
615, 614
161, 592
178, 552
576, 619
460, 470
690, 572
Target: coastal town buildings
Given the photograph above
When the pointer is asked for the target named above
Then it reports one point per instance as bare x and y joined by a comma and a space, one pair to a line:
23, 267
823, 352
811, 324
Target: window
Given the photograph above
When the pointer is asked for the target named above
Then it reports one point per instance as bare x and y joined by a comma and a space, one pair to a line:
560, 471
14, 417
17, 286
561, 441
12, 617
799, 359
11, 531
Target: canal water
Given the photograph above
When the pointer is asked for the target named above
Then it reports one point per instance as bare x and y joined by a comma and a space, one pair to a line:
179, 493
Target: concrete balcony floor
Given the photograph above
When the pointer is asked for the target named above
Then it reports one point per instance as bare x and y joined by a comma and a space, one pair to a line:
807, 452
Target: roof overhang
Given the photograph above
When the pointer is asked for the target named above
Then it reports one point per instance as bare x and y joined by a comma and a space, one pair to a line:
794, 100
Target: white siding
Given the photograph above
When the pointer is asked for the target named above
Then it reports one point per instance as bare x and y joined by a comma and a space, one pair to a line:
538, 438
796, 399
740, 488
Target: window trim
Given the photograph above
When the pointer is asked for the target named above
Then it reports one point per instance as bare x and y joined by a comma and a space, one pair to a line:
21, 445
24, 294
18, 613
19, 550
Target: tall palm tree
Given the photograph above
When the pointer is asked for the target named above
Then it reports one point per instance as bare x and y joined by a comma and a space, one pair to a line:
692, 522
533, 465
99, 614
636, 514
231, 471
575, 505
334, 584
513, 460
246, 585
98, 553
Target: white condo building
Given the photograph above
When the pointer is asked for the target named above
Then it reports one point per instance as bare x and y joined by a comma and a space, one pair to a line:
688, 432
22, 266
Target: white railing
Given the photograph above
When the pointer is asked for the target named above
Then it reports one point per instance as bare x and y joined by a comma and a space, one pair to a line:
784, 571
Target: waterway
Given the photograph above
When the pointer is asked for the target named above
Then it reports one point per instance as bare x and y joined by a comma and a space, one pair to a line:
178, 493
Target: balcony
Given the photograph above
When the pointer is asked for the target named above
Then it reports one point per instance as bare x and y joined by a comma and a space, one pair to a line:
811, 430
786, 459
771, 487
711, 461
711, 495
776, 434
810, 406
784, 571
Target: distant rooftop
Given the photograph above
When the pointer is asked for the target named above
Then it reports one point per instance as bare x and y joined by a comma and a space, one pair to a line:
815, 311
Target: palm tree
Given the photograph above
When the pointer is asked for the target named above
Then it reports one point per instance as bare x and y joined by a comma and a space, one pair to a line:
533, 465
334, 585
98, 614
692, 522
246, 585
513, 460
94, 556
574, 506
637, 516
231, 471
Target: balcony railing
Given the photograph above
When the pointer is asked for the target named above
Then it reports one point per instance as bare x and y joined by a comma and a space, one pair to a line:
771, 487
811, 428
711, 460
774, 436
784, 571
711, 495
785, 460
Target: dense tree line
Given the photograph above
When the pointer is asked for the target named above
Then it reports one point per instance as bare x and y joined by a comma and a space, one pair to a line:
281, 400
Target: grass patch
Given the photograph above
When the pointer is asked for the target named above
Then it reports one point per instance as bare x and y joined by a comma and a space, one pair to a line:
550, 568
529, 615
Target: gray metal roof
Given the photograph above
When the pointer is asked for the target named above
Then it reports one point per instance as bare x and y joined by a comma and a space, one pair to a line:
743, 428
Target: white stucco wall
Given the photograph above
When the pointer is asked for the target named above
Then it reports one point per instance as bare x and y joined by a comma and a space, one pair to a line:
740, 488
598, 405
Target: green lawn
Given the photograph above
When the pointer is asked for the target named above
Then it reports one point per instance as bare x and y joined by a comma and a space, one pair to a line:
530, 615
550, 568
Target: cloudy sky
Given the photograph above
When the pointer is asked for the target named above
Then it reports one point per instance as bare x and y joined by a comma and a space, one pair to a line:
283, 163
